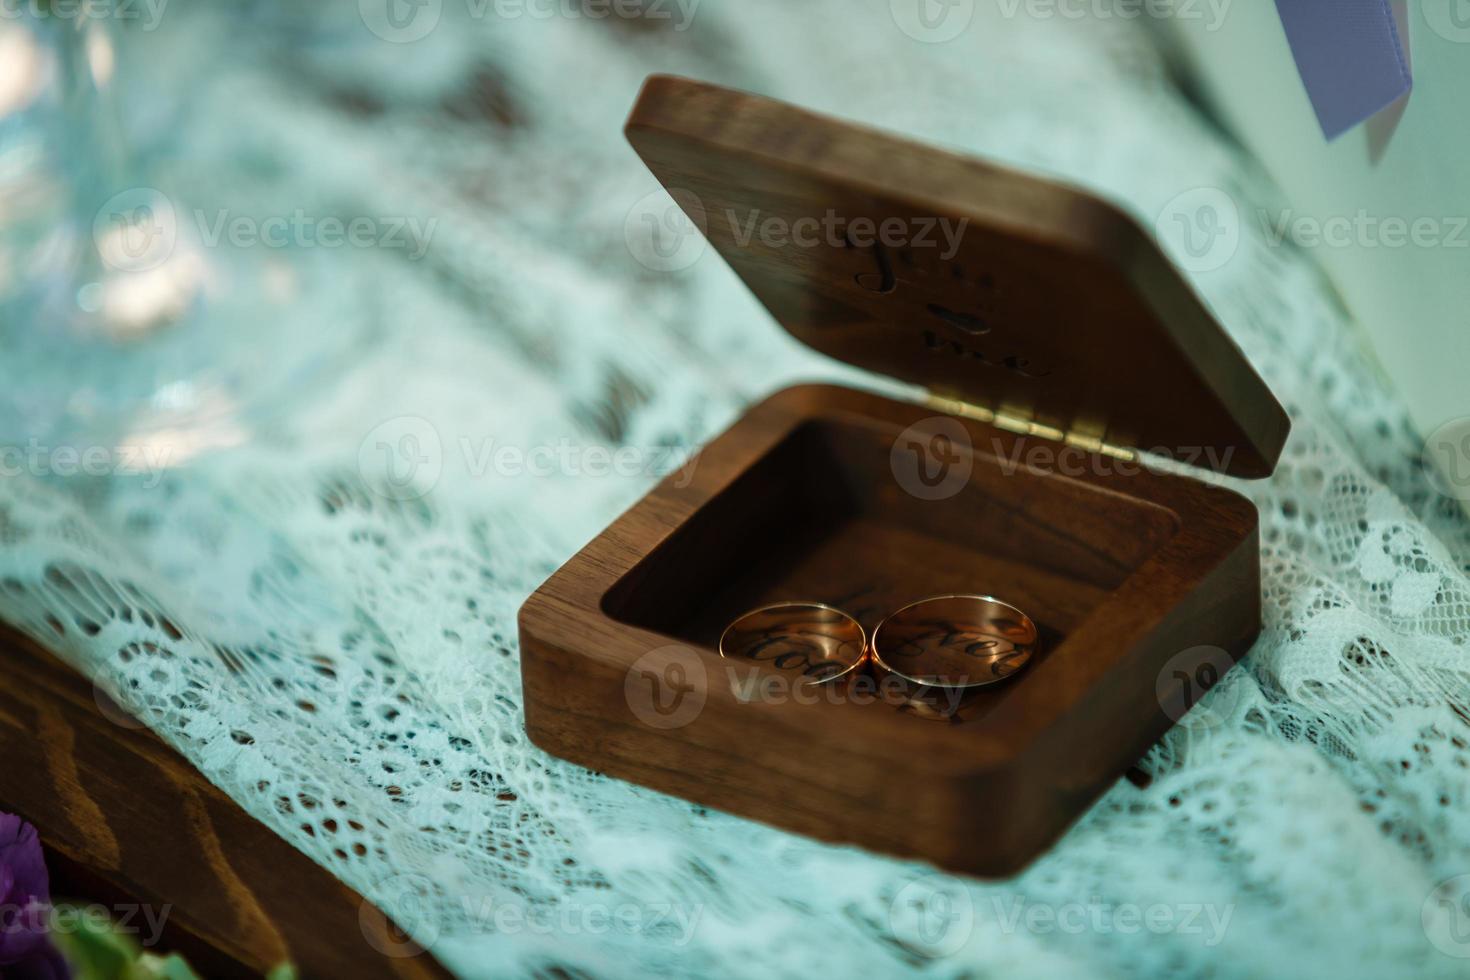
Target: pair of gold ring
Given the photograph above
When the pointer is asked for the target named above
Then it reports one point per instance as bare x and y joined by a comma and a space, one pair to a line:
948, 642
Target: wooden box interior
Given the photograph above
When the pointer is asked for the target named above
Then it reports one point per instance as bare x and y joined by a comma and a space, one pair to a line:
821, 517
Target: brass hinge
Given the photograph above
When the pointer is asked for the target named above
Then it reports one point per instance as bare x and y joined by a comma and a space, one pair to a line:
1027, 427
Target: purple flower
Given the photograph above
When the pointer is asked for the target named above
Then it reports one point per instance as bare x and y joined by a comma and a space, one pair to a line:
26, 952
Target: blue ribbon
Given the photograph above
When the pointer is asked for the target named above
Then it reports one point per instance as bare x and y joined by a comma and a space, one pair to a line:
1349, 57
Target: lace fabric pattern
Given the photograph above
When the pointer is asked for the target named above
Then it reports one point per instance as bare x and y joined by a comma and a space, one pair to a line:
339, 655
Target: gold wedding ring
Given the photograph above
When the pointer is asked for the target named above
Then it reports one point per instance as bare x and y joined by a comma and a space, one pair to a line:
822, 643
954, 643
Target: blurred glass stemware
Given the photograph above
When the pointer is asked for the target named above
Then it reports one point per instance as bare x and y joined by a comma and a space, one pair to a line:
118, 326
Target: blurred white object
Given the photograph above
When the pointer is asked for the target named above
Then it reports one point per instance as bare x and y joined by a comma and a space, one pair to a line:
122, 321
1385, 209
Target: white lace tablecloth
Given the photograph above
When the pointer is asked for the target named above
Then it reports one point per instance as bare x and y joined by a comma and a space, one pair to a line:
343, 661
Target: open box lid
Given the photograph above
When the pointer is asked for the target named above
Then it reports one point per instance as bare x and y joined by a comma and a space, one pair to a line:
1030, 302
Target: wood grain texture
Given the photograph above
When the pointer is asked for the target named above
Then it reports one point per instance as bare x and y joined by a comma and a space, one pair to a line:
1056, 316
1006, 290
798, 500
126, 820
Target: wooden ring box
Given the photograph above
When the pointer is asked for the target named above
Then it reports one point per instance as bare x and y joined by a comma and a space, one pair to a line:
1053, 339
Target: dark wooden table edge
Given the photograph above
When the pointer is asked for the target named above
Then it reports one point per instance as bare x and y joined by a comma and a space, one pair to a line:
129, 823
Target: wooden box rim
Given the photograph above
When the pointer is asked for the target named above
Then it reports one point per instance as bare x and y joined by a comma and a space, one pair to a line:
568, 608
